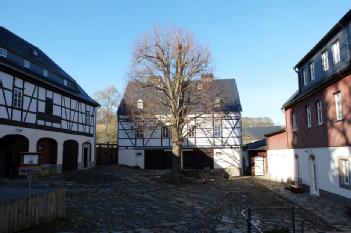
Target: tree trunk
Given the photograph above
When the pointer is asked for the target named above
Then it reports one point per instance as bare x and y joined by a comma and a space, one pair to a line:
176, 161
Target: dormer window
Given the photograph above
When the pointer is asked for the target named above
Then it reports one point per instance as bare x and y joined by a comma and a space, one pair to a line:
336, 52
325, 62
305, 80
45, 73
217, 102
312, 73
65, 82
35, 52
140, 104
26, 63
3, 52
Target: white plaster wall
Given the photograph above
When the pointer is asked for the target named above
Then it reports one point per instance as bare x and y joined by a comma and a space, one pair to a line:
228, 158
281, 165
33, 135
130, 158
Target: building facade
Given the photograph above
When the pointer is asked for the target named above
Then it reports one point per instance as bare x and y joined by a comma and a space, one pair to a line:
316, 145
42, 110
212, 140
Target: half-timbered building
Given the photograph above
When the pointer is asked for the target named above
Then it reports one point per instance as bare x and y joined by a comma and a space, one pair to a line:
315, 147
42, 110
211, 140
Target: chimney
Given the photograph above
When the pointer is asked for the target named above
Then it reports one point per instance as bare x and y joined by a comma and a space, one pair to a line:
207, 77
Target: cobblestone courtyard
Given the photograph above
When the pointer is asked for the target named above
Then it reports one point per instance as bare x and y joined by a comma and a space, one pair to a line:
119, 199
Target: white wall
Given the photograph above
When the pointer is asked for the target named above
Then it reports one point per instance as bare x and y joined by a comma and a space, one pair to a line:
72, 112
281, 165
33, 135
227, 158
131, 158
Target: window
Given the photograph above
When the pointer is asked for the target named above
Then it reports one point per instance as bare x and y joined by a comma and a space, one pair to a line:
336, 52
217, 102
87, 118
199, 86
338, 106
305, 80
325, 62
191, 132
139, 133
165, 132
35, 52
344, 172
65, 82
312, 73
17, 98
294, 124
308, 115
319, 112
3, 52
26, 64
45, 73
48, 106
140, 104
217, 130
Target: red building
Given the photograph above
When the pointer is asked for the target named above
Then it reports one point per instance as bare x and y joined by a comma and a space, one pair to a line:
316, 143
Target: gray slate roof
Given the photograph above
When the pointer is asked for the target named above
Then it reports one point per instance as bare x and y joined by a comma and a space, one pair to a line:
259, 132
19, 49
225, 89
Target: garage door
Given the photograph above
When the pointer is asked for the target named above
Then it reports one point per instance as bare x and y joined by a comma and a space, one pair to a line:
158, 159
198, 159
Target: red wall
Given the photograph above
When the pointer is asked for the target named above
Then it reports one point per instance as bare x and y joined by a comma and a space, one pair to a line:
277, 141
331, 132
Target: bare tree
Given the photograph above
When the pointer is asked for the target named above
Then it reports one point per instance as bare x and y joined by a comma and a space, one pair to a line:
168, 65
108, 99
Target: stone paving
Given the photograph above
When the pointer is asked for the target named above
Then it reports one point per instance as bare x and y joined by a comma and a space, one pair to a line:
118, 199
332, 212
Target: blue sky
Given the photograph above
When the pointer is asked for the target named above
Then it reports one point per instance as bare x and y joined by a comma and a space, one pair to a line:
256, 42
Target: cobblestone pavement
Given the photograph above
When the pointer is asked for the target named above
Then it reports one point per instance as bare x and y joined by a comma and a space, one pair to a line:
332, 212
119, 199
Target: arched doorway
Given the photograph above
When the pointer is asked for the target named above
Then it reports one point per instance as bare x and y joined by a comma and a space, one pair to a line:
86, 154
314, 189
70, 155
10, 148
48, 153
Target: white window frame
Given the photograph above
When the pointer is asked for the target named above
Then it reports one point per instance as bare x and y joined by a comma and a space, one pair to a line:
165, 132
3, 52
65, 83
294, 123
191, 131
312, 72
139, 133
338, 106
87, 117
346, 171
45, 73
17, 97
140, 104
305, 79
26, 64
336, 52
217, 131
319, 112
217, 102
325, 60
309, 116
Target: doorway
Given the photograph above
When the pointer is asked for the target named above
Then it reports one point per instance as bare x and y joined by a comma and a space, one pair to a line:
10, 148
70, 155
86, 154
314, 189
